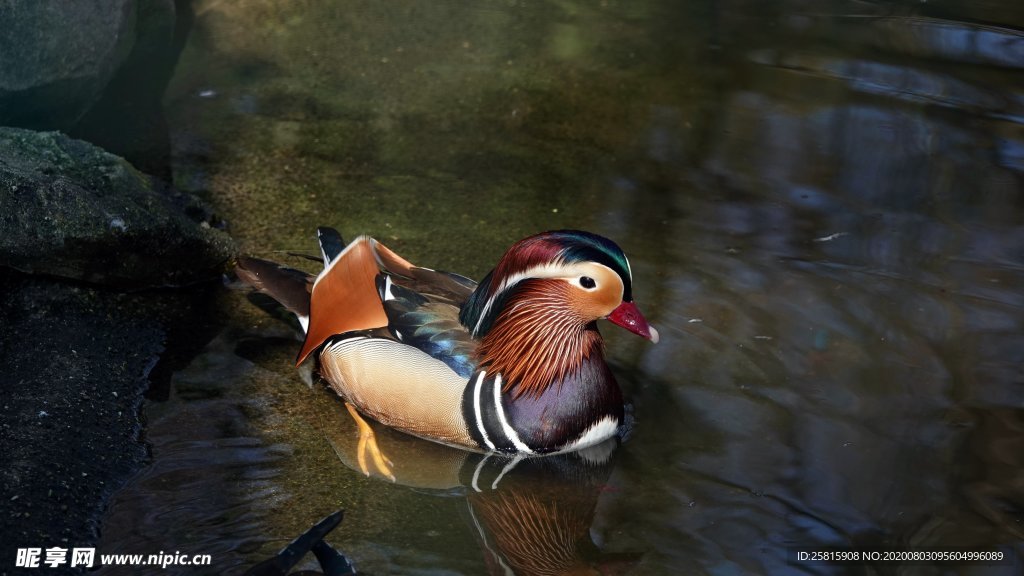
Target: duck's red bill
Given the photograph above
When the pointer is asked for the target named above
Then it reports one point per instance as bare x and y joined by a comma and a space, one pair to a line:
629, 317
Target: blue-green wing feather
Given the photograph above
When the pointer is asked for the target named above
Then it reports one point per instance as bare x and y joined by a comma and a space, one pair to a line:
428, 318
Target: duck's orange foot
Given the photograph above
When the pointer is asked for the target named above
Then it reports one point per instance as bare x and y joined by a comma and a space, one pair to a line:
368, 443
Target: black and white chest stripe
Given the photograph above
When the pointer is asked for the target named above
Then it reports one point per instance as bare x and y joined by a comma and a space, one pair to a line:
485, 416
487, 421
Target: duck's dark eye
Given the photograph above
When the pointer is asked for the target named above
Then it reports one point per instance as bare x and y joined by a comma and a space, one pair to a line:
587, 282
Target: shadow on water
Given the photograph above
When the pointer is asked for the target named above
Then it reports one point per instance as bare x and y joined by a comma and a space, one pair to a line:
128, 120
823, 206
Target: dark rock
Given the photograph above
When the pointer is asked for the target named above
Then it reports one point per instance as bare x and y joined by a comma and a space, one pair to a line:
56, 57
75, 362
71, 210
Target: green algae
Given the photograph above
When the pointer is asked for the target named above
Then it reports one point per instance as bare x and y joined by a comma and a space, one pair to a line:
432, 131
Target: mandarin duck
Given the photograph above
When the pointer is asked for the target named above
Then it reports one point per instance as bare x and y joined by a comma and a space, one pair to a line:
514, 364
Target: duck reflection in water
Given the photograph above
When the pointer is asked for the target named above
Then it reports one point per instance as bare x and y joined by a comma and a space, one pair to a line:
531, 515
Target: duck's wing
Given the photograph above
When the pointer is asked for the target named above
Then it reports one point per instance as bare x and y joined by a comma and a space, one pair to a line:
423, 312
437, 285
344, 297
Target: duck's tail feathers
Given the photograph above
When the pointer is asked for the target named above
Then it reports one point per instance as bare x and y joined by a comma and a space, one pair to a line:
288, 286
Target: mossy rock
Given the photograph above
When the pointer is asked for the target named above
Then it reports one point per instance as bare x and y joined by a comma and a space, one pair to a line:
71, 210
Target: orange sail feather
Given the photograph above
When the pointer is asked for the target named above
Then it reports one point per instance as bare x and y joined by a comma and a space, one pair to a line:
345, 295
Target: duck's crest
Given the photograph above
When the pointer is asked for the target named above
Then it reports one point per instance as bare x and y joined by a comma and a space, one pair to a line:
540, 255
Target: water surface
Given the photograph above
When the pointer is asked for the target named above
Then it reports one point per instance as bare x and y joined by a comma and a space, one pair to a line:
823, 205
